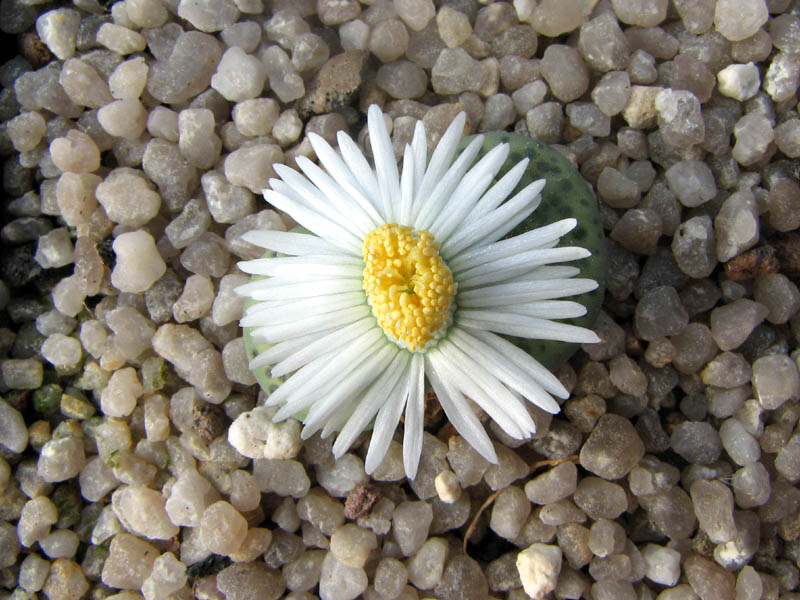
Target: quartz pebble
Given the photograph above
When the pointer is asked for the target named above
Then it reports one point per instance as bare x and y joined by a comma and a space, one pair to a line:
509, 512
129, 563
612, 449
197, 141
740, 82
127, 197
83, 84
168, 576
455, 72
142, 511
753, 134
61, 459
207, 15
190, 495
26, 131
539, 566
187, 70
239, 75
340, 581
692, 182
35, 519
775, 380
58, 29
713, 506
120, 39
139, 265
679, 118
739, 20
697, 442
410, 523
194, 358
76, 152
662, 564
732, 323
602, 43
565, 72
660, 314
33, 573
283, 77
62, 351
65, 580
222, 528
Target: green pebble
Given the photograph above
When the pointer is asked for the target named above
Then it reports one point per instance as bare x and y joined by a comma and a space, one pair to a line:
68, 502
47, 399
28, 342
92, 564
154, 374
88, 520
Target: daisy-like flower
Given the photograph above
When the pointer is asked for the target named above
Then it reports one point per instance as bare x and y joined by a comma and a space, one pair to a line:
406, 277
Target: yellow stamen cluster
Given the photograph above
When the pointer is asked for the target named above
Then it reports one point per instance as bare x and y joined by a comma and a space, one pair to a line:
409, 286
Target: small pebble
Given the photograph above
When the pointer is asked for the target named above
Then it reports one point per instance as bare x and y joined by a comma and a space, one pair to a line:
410, 523
565, 72
732, 324
740, 82
697, 442
139, 265
222, 528
239, 75
539, 566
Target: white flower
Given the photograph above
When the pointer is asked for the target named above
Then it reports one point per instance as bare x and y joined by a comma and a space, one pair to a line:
407, 277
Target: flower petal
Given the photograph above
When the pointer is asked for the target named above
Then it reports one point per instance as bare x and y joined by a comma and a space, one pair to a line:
521, 380
472, 185
279, 289
530, 240
294, 268
342, 174
458, 412
301, 389
358, 380
406, 187
383, 391
337, 195
496, 223
297, 187
281, 350
442, 193
498, 192
325, 345
546, 309
362, 172
525, 326
385, 163
285, 242
282, 312
520, 292
523, 360
515, 266
313, 221
441, 160
270, 334
415, 411
483, 388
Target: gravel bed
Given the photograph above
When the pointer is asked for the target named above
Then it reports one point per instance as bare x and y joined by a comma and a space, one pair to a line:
135, 141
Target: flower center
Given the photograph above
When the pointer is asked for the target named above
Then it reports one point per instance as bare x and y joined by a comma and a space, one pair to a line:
408, 285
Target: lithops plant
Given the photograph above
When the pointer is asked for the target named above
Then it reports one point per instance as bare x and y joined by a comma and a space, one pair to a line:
419, 276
